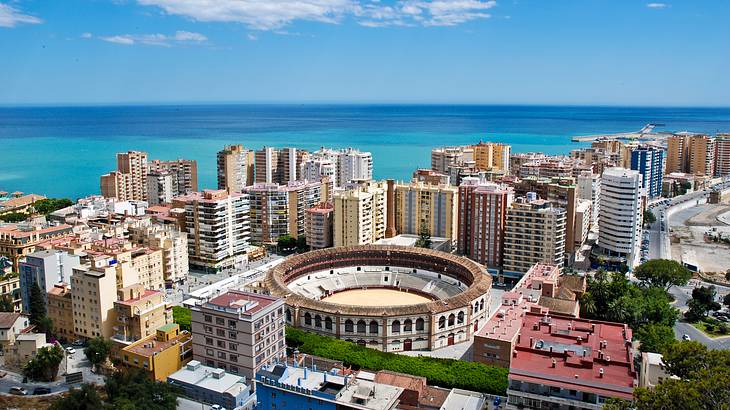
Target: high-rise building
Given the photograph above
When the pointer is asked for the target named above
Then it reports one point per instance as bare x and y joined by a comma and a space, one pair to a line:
318, 226
620, 218
482, 218
93, 292
676, 153
184, 174
722, 155
649, 161
46, 268
360, 214
588, 187
426, 208
239, 332
354, 166
278, 210
172, 243
235, 168
279, 166
445, 157
217, 225
129, 181
159, 187
534, 233
691, 153
492, 156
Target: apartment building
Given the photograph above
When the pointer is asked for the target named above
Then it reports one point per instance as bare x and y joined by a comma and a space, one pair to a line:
239, 332
360, 214
318, 226
279, 166
161, 354
93, 293
690, 153
431, 177
169, 240
184, 173
722, 155
139, 313
482, 216
354, 166
620, 218
210, 385
129, 181
534, 233
235, 168
133, 264
60, 311
278, 210
159, 187
588, 187
46, 268
442, 159
421, 207
492, 156
19, 240
649, 161
217, 227
10, 289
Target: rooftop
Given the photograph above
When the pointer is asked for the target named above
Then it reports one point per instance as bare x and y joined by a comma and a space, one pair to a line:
463, 400
7, 319
241, 302
217, 380
150, 346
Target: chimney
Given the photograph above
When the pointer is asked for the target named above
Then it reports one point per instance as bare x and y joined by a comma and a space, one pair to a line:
600, 372
390, 209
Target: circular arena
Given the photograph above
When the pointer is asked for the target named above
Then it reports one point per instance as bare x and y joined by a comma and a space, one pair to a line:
390, 298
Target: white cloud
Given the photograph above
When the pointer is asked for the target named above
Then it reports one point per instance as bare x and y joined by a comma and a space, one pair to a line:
275, 14
252, 37
180, 37
86, 35
657, 5
11, 17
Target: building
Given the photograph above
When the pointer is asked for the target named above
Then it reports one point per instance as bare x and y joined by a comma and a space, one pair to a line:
482, 216
239, 332
353, 166
18, 202
132, 263
46, 268
10, 289
652, 370
60, 311
583, 223
282, 386
159, 187
11, 325
691, 153
278, 210
620, 216
534, 233
360, 214
217, 227
442, 159
161, 354
184, 174
93, 292
235, 168
431, 177
722, 155
139, 313
588, 187
24, 349
318, 225
421, 207
278, 166
170, 241
649, 161
213, 386
18, 240
129, 181
492, 156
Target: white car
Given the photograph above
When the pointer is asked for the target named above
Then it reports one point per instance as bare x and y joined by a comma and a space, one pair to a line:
70, 350
686, 337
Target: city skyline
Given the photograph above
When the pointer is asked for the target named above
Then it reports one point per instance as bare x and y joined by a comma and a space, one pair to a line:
348, 51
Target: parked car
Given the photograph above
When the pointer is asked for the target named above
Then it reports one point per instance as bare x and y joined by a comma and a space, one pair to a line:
41, 390
78, 343
70, 350
686, 337
18, 391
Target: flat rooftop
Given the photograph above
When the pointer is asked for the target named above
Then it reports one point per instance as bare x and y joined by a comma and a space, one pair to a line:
244, 302
194, 373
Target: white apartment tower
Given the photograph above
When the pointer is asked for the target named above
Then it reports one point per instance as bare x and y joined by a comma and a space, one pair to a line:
588, 187
620, 215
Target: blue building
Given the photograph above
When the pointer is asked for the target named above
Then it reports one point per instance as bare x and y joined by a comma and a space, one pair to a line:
213, 386
649, 161
45, 268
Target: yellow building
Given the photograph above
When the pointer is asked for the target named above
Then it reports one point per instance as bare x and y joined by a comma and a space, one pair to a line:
139, 312
129, 181
433, 207
490, 156
93, 292
10, 288
690, 153
360, 214
18, 240
60, 311
161, 354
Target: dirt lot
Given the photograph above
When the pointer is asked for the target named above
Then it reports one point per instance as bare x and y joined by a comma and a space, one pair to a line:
688, 237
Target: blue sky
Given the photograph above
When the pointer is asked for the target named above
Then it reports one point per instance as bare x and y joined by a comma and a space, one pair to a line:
613, 52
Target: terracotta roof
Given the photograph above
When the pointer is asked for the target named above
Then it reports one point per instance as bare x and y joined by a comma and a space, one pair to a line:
575, 283
22, 201
559, 306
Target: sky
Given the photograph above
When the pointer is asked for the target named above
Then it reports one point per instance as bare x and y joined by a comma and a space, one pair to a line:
584, 52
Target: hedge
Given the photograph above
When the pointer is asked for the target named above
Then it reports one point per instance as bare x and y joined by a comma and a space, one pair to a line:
448, 373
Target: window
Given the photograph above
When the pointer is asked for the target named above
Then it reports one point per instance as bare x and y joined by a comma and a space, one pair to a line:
208, 318
221, 355
234, 369
419, 324
460, 318
220, 332
288, 315
231, 335
208, 329
209, 352
395, 326
361, 326
317, 321
233, 357
233, 346
349, 326
308, 319
408, 325
209, 341
328, 323
221, 344
374, 327
451, 319
220, 321
442, 322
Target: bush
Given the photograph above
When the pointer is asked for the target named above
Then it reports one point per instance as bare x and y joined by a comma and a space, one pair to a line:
182, 316
446, 373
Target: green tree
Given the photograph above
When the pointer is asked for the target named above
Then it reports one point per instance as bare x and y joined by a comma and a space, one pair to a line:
182, 316
44, 366
703, 301
655, 338
14, 217
97, 350
726, 300
6, 304
649, 217
85, 398
302, 244
134, 389
37, 305
663, 273
424, 238
48, 205
286, 244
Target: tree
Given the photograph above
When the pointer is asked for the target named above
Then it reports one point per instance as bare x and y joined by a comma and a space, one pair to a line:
302, 244
97, 350
286, 244
726, 300
134, 389
14, 217
6, 304
424, 238
37, 305
182, 316
85, 398
44, 366
48, 205
662, 273
703, 301
649, 217
655, 338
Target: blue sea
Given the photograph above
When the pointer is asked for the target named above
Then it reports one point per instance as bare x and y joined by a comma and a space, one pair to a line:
61, 151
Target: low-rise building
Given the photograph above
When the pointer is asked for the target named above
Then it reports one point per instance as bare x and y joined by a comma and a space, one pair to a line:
11, 325
18, 240
160, 354
652, 370
213, 386
60, 311
10, 289
46, 268
139, 313
24, 349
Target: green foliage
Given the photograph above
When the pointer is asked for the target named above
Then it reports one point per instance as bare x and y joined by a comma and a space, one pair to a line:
37, 305
424, 238
46, 206
704, 380
14, 217
663, 273
182, 316
726, 300
703, 301
302, 244
441, 372
133, 389
655, 338
6, 304
85, 398
44, 366
98, 350
649, 217
286, 244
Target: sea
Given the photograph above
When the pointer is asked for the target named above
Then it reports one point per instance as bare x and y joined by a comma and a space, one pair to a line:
61, 151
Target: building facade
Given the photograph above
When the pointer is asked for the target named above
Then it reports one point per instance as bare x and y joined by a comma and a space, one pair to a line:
421, 207
360, 214
649, 161
235, 168
620, 218
129, 181
139, 313
279, 166
534, 233
45, 268
93, 292
161, 354
318, 225
184, 173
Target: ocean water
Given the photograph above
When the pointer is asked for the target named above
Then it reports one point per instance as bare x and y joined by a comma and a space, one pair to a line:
61, 151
